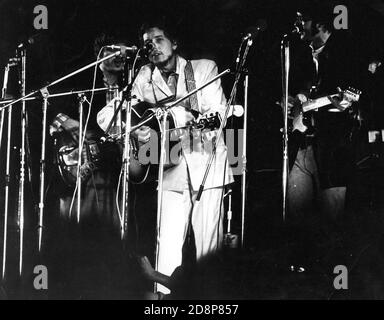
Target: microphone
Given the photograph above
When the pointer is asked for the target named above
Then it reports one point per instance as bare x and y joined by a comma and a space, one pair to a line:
148, 48
253, 31
27, 43
299, 24
123, 49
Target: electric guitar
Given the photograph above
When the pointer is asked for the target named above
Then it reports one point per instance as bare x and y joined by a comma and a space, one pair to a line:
349, 95
340, 102
96, 153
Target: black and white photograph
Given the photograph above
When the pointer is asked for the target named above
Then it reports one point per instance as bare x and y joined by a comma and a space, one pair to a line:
196, 150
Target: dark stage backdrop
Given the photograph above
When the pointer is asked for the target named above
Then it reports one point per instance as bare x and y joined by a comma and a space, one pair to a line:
207, 29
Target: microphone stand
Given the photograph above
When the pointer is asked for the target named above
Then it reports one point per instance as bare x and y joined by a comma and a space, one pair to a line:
45, 95
126, 155
239, 71
129, 129
244, 158
21, 213
23, 98
22, 170
224, 120
285, 85
119, 99
160, 187
7, 181
6, 199
163, 113
81, 98
285, 65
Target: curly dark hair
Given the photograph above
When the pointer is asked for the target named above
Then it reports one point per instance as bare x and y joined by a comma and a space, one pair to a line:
165, 23
320, 12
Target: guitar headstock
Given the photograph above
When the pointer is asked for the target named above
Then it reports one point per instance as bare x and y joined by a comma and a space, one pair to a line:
351, 94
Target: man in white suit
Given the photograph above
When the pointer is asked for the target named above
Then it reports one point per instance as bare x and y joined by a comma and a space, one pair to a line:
167, 75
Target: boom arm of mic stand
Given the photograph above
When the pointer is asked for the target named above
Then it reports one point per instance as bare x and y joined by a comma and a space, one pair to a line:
98, 90
3, 95
24, 97
148, 118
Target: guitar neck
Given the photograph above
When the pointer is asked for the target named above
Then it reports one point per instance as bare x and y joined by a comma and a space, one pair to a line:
317, 103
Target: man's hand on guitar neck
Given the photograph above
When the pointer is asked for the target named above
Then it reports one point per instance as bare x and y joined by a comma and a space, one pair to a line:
64, 123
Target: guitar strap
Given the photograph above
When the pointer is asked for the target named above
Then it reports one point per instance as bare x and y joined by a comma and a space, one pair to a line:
191, 85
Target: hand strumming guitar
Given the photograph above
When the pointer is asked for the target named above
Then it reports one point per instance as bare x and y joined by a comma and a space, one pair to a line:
295, 112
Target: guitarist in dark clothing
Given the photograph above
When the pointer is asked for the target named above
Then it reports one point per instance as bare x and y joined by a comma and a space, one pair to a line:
81, 252
320, 146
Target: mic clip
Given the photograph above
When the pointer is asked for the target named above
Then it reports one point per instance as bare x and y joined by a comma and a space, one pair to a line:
298, 25
13, 62
247, 36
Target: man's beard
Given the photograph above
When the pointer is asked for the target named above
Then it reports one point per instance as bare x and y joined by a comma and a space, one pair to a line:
162, 64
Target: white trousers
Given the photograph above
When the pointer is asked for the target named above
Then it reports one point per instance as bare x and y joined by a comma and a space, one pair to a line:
207, 223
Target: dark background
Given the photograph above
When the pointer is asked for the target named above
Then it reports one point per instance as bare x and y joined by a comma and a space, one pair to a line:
209, 29
206, 29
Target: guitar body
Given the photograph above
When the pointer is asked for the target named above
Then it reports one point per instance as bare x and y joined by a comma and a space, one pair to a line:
309, 122
145, 159
95, 155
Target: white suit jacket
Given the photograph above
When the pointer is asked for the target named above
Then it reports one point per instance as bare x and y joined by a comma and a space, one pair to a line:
150, 86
